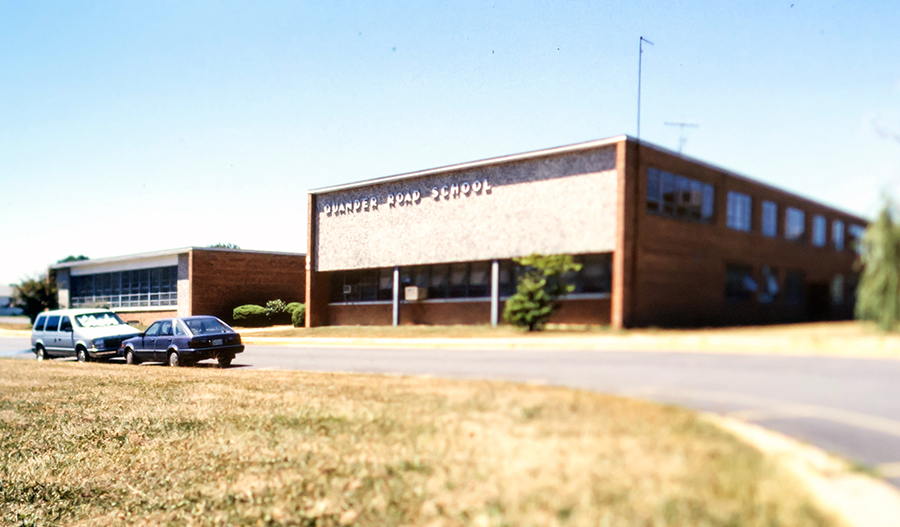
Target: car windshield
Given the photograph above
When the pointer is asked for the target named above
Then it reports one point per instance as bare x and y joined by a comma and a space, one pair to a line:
206, 326
98, 320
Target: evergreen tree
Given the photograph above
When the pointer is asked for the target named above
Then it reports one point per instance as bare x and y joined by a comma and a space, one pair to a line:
539, 289
878, 294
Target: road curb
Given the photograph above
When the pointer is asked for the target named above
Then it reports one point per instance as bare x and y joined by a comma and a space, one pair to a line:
858, 499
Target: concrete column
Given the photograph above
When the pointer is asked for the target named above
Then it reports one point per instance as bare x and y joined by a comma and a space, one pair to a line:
396, 309
495, 292
63, 288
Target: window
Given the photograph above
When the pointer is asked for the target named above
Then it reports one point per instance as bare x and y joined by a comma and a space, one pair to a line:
856, 233
65, 324
678, 196
819, 234
206, 326
770, 219
837, 234
165, 330
837, 290
794, 224
39, 325
768, 288
366, 285
739, 282
595, 275
739, 211
139, 288
179, 330
153, 330
795, 288
52, 323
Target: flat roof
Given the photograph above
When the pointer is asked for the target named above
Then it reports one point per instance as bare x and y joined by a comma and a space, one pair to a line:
576, 147
154, 254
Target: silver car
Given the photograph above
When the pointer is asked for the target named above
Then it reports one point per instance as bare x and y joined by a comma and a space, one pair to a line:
83, 333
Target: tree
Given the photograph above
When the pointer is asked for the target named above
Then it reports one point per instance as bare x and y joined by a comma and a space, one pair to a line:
225, 246
72, 258
541, 285
878, 294
35, 295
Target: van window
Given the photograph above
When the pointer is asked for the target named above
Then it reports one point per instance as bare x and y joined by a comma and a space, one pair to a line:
66, 324
52, 323
39, 325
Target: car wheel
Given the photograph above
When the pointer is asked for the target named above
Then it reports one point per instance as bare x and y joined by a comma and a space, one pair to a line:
225, 361
130, 358
174, 359
82, 355
40, 352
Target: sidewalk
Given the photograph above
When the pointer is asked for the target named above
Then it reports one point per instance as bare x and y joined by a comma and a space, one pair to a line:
835, 339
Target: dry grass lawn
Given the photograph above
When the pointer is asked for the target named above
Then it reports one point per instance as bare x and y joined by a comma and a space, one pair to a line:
100, 444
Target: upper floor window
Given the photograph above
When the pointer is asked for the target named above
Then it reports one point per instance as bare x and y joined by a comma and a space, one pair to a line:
680, 197
819, 234
794, 224
740, 207
856, 233
837, 234
770, 219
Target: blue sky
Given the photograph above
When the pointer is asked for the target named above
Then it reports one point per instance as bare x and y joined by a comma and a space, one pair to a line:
135, 126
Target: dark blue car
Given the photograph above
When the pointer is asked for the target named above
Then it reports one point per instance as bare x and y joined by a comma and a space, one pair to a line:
182, 341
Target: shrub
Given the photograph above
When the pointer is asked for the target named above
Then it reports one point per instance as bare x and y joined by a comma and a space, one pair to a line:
539, 289
294, 305
298, 315
878, 294
250, 315
277, 312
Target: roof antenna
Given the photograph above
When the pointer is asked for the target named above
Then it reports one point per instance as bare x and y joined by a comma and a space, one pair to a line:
682, 138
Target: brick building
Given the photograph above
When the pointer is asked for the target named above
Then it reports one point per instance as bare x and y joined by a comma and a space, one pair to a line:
663, 239
181, 282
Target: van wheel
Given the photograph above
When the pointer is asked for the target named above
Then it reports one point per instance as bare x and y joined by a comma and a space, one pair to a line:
174, 359
82, 355
130, 358
225, 361
40, 352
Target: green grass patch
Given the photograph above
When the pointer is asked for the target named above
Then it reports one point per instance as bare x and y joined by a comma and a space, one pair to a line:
100, 444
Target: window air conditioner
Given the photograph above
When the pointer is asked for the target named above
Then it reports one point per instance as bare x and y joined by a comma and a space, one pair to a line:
413, 294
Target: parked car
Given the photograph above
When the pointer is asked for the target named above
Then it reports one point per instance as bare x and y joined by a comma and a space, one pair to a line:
83, 333
184, 340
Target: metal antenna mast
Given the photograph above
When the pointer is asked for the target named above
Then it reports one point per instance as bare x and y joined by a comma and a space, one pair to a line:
682, 138
640, 56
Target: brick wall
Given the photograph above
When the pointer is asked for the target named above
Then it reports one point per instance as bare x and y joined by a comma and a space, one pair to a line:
680, 266
224, 279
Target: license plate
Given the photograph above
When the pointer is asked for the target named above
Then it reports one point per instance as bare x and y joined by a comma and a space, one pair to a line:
217, 342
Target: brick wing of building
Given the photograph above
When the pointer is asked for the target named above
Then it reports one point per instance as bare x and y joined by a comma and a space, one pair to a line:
181, 282
663, 239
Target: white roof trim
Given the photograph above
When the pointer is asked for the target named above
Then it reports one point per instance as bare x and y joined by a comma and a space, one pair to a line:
156, 254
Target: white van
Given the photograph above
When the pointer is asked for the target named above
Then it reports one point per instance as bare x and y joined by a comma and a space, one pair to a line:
83, 333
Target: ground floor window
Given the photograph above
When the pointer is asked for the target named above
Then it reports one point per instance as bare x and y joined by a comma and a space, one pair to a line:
739, 283
157, 286
461, 280
366, 285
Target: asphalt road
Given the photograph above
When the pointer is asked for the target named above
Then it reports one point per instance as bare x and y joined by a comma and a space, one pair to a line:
847, 406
